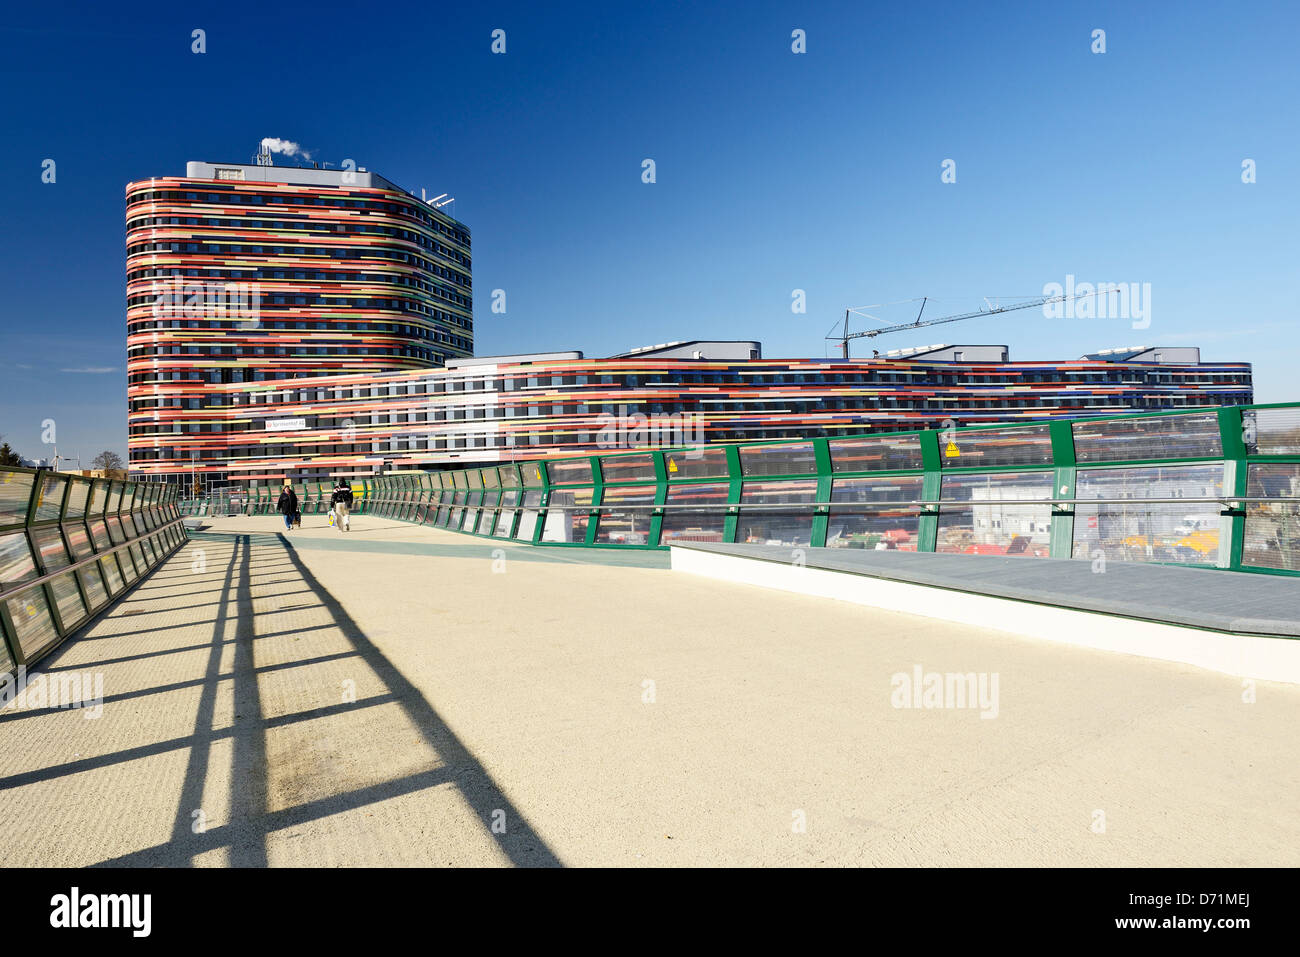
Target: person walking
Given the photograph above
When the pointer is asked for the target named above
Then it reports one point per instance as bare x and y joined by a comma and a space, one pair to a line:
341, 502
287, 505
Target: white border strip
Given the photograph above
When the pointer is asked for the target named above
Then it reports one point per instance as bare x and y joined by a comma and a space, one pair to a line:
1247, 656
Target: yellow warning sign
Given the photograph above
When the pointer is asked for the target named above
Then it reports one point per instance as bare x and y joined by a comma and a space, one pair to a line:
952, 451
672, 466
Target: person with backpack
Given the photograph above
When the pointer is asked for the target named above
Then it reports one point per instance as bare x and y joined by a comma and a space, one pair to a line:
341, 503
287, 505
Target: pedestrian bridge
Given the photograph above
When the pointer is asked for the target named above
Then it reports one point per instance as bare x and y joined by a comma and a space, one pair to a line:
436, 690
403, 695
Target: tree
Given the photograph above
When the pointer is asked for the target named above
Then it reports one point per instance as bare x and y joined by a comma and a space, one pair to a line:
106, 460
8, 456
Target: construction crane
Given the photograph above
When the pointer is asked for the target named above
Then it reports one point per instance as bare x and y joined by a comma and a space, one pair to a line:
989, 310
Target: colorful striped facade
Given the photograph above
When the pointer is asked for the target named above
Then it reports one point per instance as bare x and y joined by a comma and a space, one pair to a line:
522, 409
253, 274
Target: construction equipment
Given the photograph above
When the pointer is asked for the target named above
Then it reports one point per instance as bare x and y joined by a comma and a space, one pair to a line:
989, 310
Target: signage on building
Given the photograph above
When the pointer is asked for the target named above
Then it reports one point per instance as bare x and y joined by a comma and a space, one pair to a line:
285, 425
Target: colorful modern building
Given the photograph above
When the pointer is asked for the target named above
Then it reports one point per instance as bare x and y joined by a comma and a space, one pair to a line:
510, 408
240, 274
301, 324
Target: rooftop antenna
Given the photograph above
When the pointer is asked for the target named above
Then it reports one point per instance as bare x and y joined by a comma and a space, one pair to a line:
263, 157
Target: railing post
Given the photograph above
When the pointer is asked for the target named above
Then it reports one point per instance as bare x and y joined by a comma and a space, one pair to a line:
1061, 540
729, 528
1232, 521
821, 516
927, 525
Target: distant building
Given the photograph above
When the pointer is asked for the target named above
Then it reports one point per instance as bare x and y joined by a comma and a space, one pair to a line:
116, 474
505, 408
240, 274
300, 324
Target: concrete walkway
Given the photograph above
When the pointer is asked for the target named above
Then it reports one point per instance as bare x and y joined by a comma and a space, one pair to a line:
408, 696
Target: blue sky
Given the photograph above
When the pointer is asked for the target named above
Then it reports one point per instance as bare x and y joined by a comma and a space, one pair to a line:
775, 171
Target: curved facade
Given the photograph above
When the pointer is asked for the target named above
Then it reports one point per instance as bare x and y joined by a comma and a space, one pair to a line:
249, 274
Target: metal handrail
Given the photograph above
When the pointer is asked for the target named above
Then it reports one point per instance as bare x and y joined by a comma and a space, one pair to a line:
1226, 502
81, 563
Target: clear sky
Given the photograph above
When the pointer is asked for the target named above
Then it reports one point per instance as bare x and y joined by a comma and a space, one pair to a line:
775, 171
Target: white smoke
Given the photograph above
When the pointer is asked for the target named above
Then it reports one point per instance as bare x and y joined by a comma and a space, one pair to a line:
272, 144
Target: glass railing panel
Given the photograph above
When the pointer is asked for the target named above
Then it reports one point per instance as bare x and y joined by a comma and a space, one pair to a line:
112, 574
793, 459
71, 608
93, 585
15, 496
567, 515
16, 561
570, 472
628, 468
129, 568
696, 463
49, 498
50, 548
532, 475
98, 498
876, 453
967, 527
1150, 437
77, 498
1272, 537
888, 528
704, 521
775, 526
33, 621
1272, 431
625, 526
529, 515
506, 517
1148, 531
1030, 445
78, 540
115, 530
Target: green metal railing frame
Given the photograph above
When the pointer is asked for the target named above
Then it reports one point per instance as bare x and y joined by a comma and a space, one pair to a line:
145, 512
430, 497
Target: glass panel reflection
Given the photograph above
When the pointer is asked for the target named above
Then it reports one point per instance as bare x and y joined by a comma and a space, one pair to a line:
567, 515
705, 524
885, 529
973, 529
1272, 530
625, 526
777, 526
1148, 532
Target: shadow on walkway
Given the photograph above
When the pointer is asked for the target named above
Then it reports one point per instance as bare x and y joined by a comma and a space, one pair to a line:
245, 836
